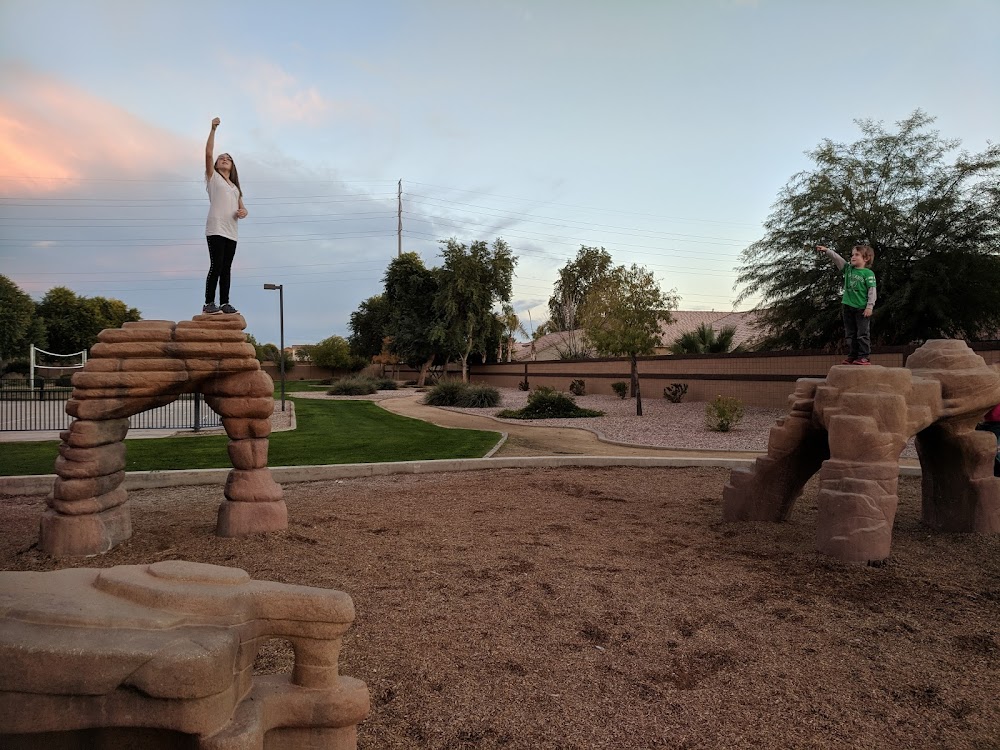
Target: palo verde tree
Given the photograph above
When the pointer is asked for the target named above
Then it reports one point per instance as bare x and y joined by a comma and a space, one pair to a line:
473, 280
410, 293
932, 217
621, 317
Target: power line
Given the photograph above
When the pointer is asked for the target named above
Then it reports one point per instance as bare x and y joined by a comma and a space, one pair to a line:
588, 208
535, 219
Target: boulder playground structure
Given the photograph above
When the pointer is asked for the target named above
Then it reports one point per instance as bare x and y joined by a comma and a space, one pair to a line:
852, 426
141, 366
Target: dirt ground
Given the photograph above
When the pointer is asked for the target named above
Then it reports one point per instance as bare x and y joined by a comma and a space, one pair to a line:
609, 608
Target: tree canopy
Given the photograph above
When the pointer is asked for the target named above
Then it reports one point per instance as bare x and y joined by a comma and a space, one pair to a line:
572, 285
410, 291
368, 325
333, 353
621, 316
72, 322
473, 280
19, 326
932, 217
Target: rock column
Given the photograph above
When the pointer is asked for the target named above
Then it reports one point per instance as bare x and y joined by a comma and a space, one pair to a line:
795, 450
254, 501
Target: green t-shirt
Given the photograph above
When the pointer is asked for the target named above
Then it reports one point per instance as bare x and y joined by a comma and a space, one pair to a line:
857, 282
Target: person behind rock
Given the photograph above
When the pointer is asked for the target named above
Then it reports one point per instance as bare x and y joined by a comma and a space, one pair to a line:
859, 300
225, 198
991, 423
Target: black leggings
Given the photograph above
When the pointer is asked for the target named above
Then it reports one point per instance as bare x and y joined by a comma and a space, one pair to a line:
221, 251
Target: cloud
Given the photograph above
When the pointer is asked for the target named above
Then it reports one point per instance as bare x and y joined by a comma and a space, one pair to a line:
52, 135
281, 98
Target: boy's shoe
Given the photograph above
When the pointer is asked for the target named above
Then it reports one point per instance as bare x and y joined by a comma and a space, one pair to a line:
211, 310
228, 309
849, 361
861, 361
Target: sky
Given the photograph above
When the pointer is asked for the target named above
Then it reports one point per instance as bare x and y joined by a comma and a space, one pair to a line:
661, 131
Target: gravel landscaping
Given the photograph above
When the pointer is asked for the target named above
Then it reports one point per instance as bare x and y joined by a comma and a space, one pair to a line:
662, 425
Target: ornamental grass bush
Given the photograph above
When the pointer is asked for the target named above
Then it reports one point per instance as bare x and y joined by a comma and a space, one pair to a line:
548, 403
444, 393
478, 396
353, 385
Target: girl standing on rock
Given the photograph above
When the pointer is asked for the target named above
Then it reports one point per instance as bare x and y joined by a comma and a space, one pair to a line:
226, 206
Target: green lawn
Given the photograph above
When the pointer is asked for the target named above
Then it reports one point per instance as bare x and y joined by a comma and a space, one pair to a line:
329, 432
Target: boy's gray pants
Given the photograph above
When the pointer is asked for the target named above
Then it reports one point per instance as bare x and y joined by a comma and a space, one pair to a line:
857, 331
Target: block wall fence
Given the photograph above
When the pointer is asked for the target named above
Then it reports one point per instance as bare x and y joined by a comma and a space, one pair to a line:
764, 379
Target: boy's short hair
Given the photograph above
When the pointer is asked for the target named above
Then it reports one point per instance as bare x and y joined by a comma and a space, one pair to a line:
867, 252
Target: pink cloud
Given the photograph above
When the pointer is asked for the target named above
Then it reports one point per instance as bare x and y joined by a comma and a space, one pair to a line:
52, 135
281, 97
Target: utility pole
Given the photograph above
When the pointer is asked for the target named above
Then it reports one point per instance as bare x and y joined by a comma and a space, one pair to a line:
399, 216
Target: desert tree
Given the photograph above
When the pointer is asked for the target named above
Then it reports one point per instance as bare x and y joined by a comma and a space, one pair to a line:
368, 326
473, 280
930, 212
410, 293
621, 317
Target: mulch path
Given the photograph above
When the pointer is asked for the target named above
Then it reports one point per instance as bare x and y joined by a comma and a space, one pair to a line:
609, 608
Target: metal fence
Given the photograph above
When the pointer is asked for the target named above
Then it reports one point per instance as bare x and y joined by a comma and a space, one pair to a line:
41, 405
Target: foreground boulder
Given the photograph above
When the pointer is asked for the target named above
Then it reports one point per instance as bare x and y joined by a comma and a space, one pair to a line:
161, 656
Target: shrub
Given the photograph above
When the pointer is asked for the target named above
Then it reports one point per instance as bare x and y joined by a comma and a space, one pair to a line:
578, 388
18, 367
675, 392
548, 403
386, 384
523, 385
479, 396
445, 393
352, 386
723, 413
621, 388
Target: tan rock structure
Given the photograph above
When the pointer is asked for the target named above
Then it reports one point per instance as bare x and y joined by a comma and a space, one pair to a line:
141, 366
852, 427
161, 656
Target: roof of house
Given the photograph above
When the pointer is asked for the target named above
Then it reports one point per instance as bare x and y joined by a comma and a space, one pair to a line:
684, 321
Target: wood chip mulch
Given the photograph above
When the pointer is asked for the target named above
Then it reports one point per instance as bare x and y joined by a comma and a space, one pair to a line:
609, 608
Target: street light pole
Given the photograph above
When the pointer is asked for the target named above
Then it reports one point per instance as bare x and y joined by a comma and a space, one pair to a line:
281, 318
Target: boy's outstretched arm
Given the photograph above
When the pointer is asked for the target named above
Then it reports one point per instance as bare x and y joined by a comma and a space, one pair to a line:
837, 259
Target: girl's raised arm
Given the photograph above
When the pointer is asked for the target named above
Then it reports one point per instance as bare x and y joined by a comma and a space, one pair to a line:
210, 150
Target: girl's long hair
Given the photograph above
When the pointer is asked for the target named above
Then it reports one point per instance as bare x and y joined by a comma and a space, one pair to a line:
234, 176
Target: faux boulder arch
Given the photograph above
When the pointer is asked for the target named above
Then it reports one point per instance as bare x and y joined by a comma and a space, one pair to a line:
852, 427
141, 366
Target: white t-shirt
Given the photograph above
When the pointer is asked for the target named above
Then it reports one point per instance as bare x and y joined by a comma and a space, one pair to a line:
224, 200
